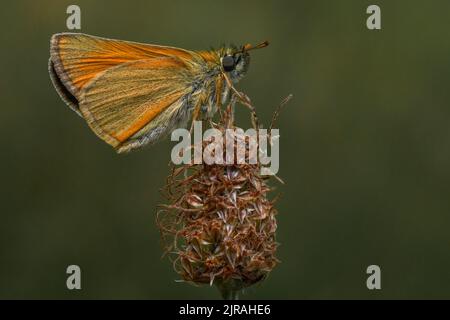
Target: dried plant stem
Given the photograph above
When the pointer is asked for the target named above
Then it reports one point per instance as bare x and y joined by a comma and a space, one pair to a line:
230, 289
278, 110
229, 294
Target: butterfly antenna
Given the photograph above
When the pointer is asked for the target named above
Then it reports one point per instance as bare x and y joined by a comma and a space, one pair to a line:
249, 47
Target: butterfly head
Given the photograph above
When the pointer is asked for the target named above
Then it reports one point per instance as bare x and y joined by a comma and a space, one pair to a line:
235, 62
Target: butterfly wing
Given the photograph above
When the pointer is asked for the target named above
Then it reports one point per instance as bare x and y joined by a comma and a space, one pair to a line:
61, 89
129, 93
127, 102
76, 59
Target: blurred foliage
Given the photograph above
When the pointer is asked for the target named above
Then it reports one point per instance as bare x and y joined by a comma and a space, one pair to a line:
365, 150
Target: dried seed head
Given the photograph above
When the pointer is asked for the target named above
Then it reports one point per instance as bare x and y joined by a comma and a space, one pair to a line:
219, 225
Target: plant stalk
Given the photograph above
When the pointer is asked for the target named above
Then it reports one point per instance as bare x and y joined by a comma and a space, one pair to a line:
229, 294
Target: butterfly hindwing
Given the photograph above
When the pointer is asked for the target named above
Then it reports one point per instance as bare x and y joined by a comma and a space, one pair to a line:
121, 101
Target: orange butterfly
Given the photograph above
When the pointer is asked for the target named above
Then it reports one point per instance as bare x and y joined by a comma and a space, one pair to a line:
132, 94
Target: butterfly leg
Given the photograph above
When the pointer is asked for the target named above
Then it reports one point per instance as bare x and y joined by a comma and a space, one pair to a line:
196, 113
201, 101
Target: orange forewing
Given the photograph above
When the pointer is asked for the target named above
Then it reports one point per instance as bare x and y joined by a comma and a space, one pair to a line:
123, 99
78, 58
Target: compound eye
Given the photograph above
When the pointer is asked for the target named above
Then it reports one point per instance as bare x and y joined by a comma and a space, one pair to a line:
228, 63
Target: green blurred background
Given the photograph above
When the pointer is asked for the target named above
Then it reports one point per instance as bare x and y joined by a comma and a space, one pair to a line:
365, 150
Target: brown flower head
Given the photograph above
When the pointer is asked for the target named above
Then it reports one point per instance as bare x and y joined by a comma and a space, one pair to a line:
219, 224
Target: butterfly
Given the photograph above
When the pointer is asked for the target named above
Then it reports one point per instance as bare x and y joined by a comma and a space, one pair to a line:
132, 94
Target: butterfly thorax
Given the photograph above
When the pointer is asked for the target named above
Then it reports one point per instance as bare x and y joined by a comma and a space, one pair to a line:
220, 67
